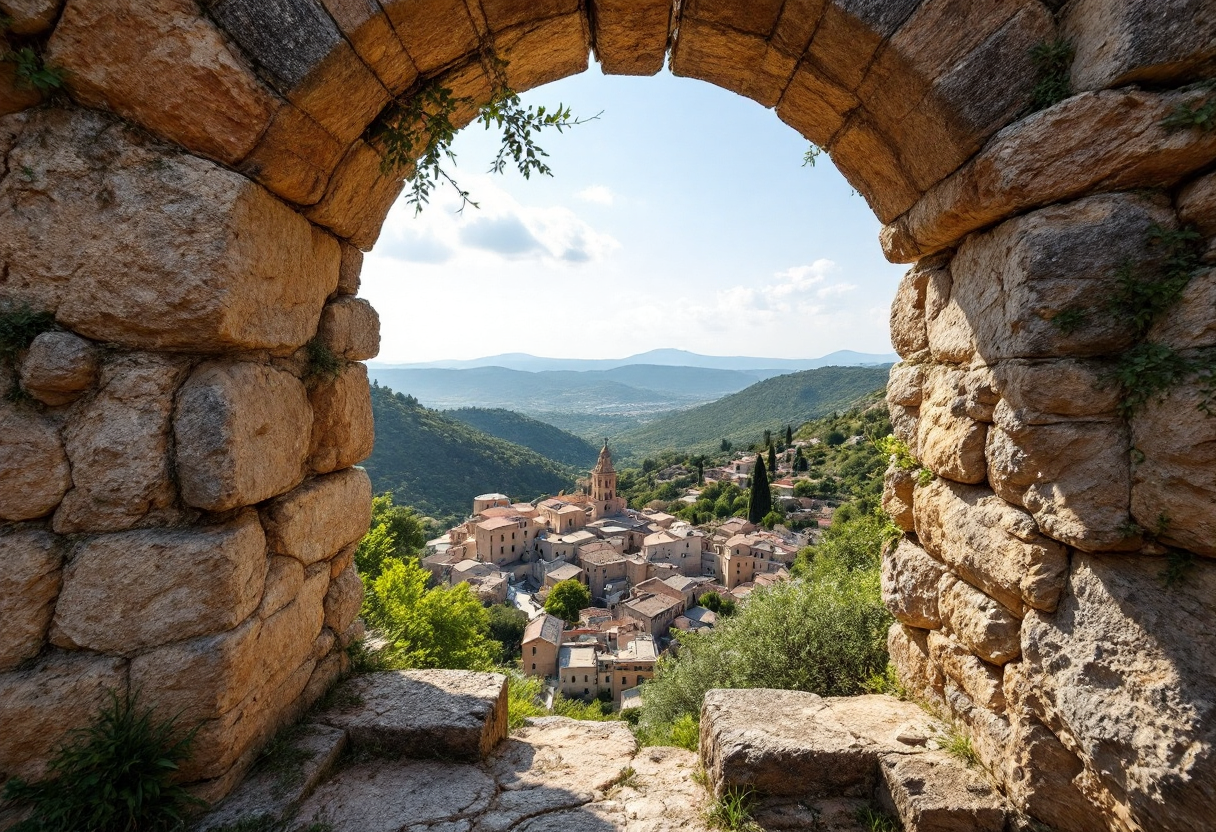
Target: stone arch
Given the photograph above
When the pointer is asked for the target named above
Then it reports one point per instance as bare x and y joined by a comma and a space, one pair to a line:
198, 203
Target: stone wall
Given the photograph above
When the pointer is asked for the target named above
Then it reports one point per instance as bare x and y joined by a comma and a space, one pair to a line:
176, 493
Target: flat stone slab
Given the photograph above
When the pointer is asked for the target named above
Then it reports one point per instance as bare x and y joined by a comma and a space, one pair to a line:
795, 744
444, 714
276, 788
935, 792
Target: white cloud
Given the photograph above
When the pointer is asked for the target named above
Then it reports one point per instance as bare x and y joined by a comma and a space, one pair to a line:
599, 194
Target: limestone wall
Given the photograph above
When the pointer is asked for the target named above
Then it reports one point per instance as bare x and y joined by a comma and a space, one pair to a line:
179, 511
177, 503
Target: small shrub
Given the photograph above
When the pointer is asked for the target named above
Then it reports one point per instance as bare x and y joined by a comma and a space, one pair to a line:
891, 446
628, 778
733, 811
1146, 372
1141, 300
364, 659
1069, 320
1052, 64
112, 776
19, 326
958, 745
1192, 117
876, 820
1178, 565
924, 477
887, 682
322, 362
33, 72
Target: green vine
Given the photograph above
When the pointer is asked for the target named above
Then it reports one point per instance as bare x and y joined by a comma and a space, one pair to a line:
813, 152
417, 133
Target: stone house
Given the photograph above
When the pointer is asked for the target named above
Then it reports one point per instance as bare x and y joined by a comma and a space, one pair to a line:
577, 670
562, 516
628, 667
655, 610
679, 546
563, 572
542, 638
602, 566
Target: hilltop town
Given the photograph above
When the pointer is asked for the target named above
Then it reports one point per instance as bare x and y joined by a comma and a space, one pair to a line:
647, 573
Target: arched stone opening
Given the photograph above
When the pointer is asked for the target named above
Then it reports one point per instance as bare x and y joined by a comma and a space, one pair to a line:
181, 505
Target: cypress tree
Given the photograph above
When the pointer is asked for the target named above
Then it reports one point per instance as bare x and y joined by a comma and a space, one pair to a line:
760, 502
772, 460
789, 435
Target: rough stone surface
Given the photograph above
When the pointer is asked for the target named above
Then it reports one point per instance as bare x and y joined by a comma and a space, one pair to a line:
294, 158
358, 197
988, 629
284, 578
819, 747
898, 486
909, 335
450, 714
949, 441
1073, 476
273, 793
909, 585
343, 430
1163, 42
1172, 486
350, 327
15, 95
60, 692
981, 681
631, 36
119, 446
198, 277
1121, 673
320, 517
34, 472
1189, 324
909, 651
906, 384
1010, 283
371, 34
349, 270
1052, 391
163, 65
990, 544
933, 792
30, 577
732, 59
30, 17
343, 600
242, 433
58, 367
1099, 141
128, 591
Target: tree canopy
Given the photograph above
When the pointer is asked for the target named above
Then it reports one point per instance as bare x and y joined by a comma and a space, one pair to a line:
566, 599
760, 502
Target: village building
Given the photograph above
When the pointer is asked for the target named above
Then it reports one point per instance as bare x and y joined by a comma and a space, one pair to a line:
655, 610
628, 667
578, 670
605, 502
563, 571
605, 567
562, 515
696, 618
542, 639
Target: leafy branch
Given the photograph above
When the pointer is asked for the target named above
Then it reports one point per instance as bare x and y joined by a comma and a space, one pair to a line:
32, 71
812, 155
418, 132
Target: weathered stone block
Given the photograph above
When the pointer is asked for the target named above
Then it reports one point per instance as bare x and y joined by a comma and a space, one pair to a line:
909, 585
30, 17
452, 714
119, 446
343, 600
128, 591
906, 384
871, 164
990, 544
850, 33
43, 703
1161, 42
358, 198
950, 335
949, 441
295, 157
631, 35
1196, 204
735, 60
544, 51
1103, 141
371, 34
242, 433
1053, 391
1190, 324
34, 471
1125, 678
935, 792
350, 327
1173, 493
1073, 476
814, 105
163, 65
503, 14
905, 423
909, 651
199, 277
342, 428
980, 680
898, 485
299, 47
436, 33
757, 18
983, 625
350, 269
320, 517
58, 367
820, 746
908, 329
1012, 282
284, 578
30, 577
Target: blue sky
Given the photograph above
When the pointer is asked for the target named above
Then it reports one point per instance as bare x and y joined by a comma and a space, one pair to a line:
682, 218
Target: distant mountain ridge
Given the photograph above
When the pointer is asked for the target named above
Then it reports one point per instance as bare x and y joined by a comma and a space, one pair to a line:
660, 357
545, 439
743, 416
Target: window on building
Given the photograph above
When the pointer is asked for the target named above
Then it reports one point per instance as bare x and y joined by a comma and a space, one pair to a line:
534, 663
534, 652
624, 681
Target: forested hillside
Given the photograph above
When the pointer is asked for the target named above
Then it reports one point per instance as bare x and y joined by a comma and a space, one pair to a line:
545, 439
773, 403
437, 464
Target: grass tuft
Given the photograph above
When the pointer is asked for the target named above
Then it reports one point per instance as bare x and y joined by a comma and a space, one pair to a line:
1052, 65
732, 811
323, 363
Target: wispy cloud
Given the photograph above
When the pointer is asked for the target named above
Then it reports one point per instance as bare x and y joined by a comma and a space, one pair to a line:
598, 194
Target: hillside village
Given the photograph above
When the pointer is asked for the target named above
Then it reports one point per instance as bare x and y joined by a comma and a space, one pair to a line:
646, 571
